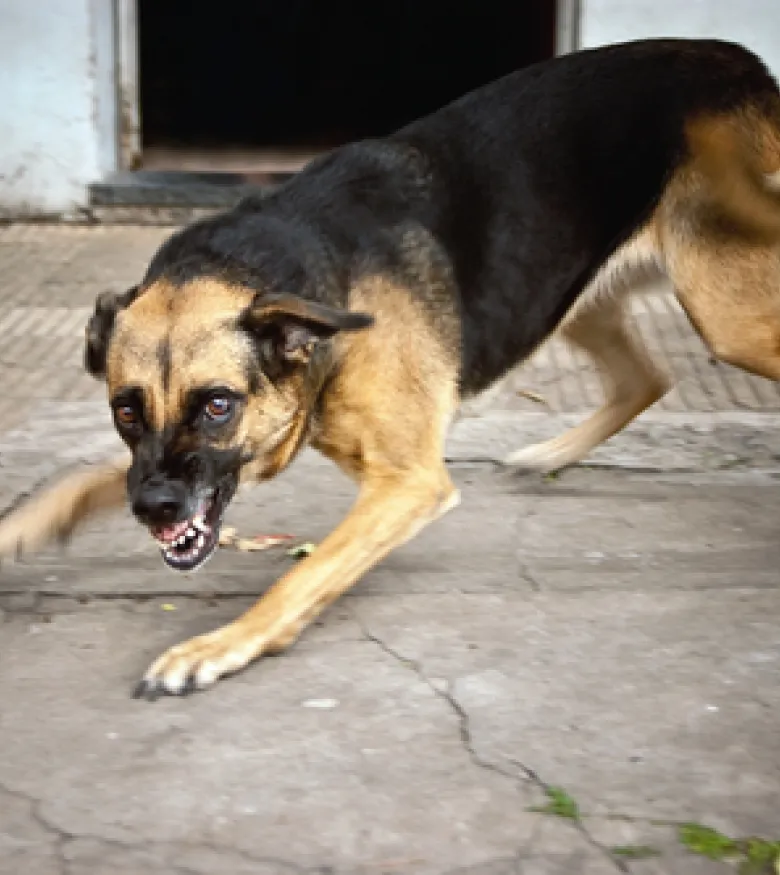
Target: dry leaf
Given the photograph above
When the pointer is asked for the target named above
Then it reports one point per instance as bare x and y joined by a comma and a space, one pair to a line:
533, 396
261, 542
227, 536
168, 607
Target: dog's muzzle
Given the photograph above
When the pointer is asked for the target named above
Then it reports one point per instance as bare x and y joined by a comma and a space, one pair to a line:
186, 528
185, 545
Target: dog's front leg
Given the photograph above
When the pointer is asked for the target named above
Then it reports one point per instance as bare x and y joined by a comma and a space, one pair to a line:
58, 510
390, 510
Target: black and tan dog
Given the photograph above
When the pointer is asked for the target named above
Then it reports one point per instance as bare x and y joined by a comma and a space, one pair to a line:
353, 309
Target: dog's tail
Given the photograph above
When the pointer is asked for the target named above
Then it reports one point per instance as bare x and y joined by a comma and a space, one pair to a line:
56, 512
750, 198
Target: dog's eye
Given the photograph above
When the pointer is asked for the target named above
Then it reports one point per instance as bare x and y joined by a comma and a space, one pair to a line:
126, 415
219, 409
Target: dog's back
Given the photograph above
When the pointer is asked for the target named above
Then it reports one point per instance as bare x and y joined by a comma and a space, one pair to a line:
528, 185
545, 173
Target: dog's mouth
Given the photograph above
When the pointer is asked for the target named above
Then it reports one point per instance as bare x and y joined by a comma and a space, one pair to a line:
186, 545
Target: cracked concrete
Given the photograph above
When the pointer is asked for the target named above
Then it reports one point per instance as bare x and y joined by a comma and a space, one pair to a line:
309, 787
613, 632
441, 688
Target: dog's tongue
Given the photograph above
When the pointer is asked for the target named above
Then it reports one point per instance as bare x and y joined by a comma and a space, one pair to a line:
171, 533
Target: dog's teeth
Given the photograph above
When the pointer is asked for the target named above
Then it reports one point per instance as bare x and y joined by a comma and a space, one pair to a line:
201, 541
190, 532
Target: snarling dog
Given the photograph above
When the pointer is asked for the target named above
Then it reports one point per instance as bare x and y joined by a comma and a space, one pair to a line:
354, 308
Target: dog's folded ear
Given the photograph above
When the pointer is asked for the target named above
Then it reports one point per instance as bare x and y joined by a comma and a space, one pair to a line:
290, 327
100, 327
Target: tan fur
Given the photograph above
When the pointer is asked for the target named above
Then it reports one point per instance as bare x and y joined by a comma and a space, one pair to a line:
413, 380
198, 324
729, 284
736, 158
56, 512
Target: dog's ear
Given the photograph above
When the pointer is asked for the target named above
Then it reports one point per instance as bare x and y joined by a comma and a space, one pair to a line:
288, 328
100, 327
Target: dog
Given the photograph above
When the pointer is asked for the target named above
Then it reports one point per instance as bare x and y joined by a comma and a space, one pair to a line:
354, 308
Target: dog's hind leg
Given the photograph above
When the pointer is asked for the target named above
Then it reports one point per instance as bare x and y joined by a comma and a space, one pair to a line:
630, 379
56, 512
731, 293
716, 234
599, 325
720, 230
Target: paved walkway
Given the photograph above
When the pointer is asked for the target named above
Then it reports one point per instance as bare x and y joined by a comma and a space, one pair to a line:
613, 632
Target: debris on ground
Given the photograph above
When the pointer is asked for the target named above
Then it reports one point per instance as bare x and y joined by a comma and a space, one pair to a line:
533, 396
300, 551
561, 804
229, 538
753, 855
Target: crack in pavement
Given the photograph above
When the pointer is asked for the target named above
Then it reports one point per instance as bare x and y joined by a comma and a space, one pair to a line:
577, 823
740, 464
62, 837
455, 706
467, 740
529, 577
523, 566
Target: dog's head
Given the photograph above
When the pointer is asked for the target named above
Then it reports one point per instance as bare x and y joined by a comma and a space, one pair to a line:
207, 380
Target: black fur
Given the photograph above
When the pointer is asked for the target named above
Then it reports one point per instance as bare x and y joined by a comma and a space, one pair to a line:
515, 194
101, 326
165, 361
159, 465
286, 329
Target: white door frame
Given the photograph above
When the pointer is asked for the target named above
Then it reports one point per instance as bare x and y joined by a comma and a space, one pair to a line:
568, 20
128, 97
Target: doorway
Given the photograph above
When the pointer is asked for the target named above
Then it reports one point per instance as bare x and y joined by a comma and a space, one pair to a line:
260, 87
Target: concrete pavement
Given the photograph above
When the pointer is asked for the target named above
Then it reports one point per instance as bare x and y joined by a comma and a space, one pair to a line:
613, 632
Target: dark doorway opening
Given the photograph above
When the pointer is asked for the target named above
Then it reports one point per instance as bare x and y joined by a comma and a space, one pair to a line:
245, 84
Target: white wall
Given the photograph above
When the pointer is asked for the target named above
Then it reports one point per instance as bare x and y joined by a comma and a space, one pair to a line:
57, 118
754, 23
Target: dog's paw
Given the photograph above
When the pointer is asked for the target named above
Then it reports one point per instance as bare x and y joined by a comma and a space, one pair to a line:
545, 457
198, 663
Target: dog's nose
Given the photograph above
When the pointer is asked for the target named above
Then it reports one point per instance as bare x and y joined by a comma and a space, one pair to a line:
159, 501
